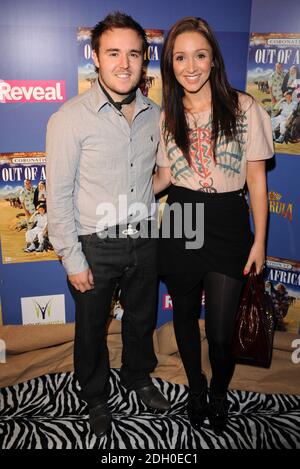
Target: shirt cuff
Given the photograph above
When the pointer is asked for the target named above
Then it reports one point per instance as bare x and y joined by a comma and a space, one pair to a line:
75, 264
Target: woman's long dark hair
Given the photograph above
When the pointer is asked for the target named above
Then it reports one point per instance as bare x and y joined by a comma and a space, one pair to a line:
225, 105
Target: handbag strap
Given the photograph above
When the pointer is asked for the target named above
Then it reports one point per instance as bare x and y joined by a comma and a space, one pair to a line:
257, 280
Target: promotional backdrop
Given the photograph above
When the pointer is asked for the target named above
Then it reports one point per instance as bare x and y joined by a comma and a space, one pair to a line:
45, 60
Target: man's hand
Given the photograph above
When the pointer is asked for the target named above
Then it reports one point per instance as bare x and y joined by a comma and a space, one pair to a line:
83, 281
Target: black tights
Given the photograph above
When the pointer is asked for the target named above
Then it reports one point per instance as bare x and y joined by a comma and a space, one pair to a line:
222, 294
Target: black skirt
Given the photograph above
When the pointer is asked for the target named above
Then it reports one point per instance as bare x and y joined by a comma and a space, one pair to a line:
226, 228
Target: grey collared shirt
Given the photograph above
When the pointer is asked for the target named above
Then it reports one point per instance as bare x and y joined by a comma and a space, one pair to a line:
96, 161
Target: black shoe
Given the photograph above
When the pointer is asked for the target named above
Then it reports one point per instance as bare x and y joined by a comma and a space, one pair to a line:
153, 398
218, 413
197, 406
100, 419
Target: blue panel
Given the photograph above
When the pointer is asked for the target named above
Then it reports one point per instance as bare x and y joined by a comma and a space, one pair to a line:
38, 42
284, 226
41, 54
235, 58
34, 279
155, 14
275, 16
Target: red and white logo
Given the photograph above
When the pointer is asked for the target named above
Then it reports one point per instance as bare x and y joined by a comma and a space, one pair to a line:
167, 302
32, 91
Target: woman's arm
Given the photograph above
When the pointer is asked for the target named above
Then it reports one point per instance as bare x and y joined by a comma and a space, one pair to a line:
161, 179
257, 186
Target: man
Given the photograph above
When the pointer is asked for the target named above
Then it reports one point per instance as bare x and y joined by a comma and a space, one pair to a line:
275, 83
39, 230
286, 107
281, 303
290, 79
101, 149
26, 197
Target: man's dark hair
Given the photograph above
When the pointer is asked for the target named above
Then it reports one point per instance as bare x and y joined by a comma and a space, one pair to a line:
117, 20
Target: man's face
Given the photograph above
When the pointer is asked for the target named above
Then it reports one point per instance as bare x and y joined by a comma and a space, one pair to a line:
27, 184
120, 60
288, 97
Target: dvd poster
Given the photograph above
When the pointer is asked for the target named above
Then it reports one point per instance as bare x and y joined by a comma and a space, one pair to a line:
23, 205
273, 78
150, 85
282, 282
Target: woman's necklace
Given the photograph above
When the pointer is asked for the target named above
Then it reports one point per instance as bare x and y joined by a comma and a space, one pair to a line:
195, 119
196, 115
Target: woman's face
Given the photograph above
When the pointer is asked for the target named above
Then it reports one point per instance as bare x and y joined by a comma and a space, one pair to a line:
192, 61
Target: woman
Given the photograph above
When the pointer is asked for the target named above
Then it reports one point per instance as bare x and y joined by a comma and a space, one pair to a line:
40, 194
213, 140
291, 79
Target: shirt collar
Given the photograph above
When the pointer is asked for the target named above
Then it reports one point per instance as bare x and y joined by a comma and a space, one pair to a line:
99, 100
142, 102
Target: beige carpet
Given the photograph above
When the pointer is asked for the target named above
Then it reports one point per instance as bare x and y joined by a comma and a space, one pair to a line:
33, 351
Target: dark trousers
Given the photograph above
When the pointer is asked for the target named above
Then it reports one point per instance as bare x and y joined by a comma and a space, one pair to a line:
131, 263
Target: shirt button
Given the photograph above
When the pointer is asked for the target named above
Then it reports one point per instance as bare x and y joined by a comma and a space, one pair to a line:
131, 190
131, 164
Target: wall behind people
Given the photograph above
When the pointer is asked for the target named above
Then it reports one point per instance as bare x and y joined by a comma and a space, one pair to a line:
275, 38
39, 56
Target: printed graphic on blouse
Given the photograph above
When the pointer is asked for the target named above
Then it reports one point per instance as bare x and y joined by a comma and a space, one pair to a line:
201, 157
204, 168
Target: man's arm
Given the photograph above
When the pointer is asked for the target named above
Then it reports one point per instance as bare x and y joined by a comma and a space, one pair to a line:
22, 200
63, 154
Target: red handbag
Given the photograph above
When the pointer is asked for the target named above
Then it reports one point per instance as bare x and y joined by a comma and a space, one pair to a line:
254, 328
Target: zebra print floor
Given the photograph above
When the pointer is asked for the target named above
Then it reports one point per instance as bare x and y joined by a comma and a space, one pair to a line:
46, 412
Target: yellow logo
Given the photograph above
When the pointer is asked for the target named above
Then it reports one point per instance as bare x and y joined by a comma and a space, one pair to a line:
277, 206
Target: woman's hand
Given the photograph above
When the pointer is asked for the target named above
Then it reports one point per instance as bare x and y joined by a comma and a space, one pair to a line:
257, 257
161, 179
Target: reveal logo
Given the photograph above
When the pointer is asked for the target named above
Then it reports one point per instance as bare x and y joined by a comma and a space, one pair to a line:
32, 91
167, 302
